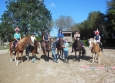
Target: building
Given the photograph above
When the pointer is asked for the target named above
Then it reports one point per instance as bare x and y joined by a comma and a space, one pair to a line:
68, 35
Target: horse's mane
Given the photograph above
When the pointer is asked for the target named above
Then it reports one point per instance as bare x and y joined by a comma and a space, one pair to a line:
93, 40
22, 40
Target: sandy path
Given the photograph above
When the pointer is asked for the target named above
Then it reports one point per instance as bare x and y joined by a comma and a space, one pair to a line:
51, 72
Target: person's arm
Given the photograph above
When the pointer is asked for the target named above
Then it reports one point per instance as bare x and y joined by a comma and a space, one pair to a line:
20, 37
48, 36
43, 37
74, 37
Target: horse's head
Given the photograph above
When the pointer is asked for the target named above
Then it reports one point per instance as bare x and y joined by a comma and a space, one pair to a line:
78, 43
92, 42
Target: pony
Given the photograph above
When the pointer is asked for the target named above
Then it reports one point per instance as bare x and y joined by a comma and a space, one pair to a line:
19, 48
95, 49
59, 47
46, 48
32, 48
78, 47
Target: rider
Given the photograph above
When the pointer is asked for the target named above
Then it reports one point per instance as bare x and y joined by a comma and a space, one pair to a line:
46, 36
17, 37
60, 35
77, 37
98, 38
33, 38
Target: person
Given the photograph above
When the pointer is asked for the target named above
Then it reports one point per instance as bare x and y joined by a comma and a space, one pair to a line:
17, 37
77, 37
33, 38
46, 36
97, 37
66, 49
53, 49
60, 35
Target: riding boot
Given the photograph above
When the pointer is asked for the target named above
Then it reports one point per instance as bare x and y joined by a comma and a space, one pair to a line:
13, 47
36, 51
82, 44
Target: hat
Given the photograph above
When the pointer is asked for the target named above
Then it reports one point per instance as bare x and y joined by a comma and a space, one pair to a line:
17, 29
96, 32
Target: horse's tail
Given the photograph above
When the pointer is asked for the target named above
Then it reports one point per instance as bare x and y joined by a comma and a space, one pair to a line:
99, 54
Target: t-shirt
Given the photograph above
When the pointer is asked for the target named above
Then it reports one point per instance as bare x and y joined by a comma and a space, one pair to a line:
17, 35
97, 38
66, 46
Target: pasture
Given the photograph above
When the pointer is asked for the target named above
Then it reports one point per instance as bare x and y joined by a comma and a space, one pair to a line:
51, 72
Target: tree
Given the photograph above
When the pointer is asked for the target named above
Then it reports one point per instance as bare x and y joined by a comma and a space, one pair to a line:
110, 17
64, 22
29, 15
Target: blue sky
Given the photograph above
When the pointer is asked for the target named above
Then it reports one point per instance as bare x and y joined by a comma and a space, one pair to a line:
77, 9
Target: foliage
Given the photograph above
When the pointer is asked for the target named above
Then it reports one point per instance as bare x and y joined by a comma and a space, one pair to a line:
110, 17
29, 15
64, 22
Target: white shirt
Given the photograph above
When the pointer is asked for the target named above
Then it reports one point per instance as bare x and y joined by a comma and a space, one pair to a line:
33, 38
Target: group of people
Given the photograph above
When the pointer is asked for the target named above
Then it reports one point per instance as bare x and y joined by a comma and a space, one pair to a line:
46, 37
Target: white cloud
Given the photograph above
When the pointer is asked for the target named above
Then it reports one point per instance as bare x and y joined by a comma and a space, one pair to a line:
52, 5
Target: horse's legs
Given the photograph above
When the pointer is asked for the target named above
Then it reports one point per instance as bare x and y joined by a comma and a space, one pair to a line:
48, 56
99, 60
92, 58
22, 56
11, 53
79, 55
17, 58
75, 55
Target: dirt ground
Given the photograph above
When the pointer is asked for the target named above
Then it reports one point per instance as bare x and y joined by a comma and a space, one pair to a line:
51, 72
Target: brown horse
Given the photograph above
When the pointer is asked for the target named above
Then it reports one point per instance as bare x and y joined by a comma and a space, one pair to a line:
59, 47
46, 47
19, 48
78, 47
95, 49
32, 49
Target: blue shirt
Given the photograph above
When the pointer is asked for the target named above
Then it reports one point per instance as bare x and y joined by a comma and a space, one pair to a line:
66, 46
17, 35
60, 35
53, 45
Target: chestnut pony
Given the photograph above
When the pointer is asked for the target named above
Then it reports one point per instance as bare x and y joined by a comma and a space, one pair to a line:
19, 48
95, 49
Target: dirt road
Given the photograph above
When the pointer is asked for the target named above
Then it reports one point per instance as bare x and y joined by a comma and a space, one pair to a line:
51, 72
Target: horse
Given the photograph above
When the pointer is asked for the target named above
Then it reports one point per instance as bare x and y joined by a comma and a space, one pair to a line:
95, 49
19, 48
32, 48
59, 47
78, 47
46, 48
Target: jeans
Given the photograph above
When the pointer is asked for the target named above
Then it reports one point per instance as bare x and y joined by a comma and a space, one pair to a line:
65, 54
54, 54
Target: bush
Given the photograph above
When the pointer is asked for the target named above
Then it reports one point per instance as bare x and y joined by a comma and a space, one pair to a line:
85, 42
39, 38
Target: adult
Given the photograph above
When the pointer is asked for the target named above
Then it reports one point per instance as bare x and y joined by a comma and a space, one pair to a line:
77, 37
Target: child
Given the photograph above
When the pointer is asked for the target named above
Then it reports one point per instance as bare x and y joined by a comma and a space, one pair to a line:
65, 48
53, 49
